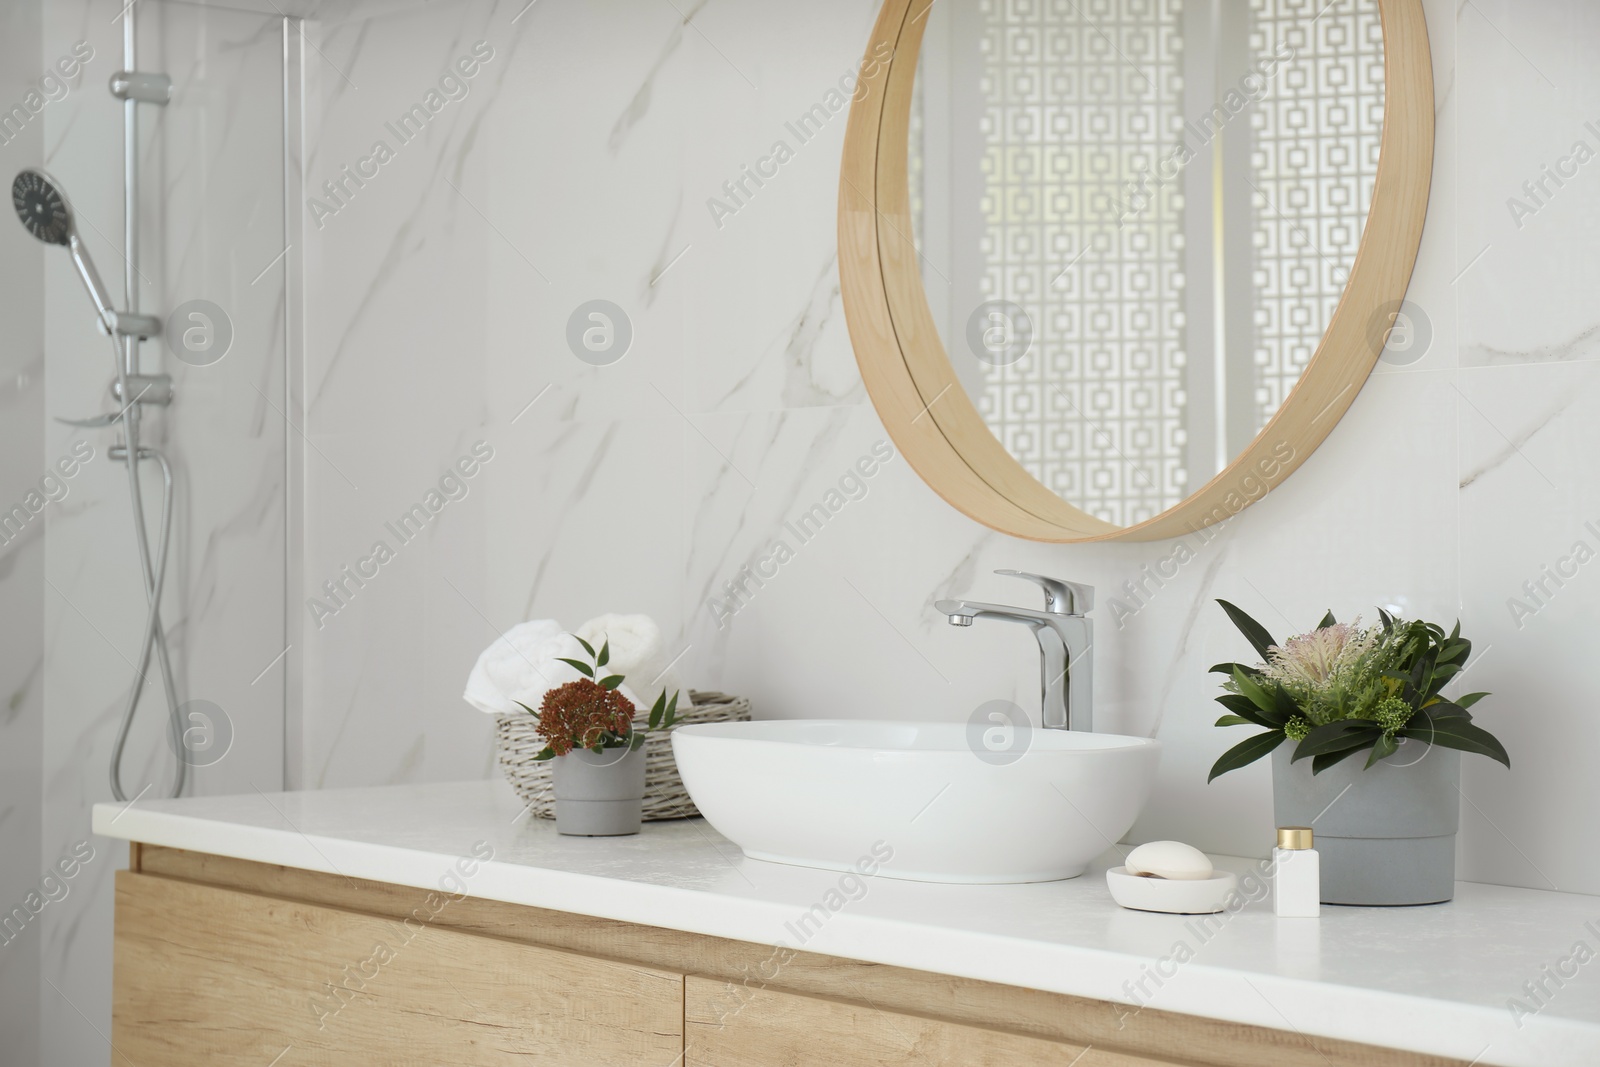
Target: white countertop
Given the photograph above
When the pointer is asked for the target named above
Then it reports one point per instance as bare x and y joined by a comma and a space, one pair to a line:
1436, 979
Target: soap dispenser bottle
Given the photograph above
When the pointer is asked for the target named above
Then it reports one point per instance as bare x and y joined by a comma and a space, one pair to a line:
1297, 877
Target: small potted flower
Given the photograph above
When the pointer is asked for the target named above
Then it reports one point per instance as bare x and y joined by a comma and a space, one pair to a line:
1385, 824
587, 727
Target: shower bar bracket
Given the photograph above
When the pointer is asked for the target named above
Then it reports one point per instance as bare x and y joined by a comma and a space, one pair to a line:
131, 324
146, 389
119, 453
153, 389
142, 86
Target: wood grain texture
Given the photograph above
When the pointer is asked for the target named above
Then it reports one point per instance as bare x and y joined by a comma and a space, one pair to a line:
219, 978
930, 416
773, 1029
744, 967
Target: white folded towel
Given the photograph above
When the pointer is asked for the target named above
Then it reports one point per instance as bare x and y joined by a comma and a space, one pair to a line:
637, 651
524, 664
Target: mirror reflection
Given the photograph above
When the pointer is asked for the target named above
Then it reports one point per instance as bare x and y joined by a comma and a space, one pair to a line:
1134, 220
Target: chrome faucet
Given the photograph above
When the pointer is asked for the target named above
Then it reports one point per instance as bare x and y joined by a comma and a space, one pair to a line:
1066, 645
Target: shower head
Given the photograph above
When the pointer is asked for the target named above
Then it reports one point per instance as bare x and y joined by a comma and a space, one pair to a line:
42, 207
45, 212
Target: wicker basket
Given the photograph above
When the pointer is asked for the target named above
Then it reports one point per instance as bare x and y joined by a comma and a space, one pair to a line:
664, 795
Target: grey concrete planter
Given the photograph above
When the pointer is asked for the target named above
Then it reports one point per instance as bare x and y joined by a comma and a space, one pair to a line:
1386, 835
599, 794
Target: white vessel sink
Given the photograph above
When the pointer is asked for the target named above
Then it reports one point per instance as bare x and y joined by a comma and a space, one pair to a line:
839, 793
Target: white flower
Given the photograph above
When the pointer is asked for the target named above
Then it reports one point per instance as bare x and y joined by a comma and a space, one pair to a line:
1312, 659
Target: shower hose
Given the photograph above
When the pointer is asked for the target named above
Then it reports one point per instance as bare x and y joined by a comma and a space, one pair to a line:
153, 569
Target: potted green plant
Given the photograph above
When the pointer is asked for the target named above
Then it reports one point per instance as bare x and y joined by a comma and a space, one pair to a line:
1385, 825
587, 727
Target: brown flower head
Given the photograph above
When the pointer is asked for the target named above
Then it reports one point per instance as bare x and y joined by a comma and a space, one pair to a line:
583, 714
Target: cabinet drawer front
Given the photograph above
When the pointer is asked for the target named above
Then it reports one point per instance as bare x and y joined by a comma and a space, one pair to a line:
217, 977
727, 1024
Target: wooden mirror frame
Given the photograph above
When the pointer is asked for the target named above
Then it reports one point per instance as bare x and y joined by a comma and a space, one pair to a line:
928, 413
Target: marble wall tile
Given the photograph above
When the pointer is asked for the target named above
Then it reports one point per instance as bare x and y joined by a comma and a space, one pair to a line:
23, 460
93, 606
1525, 400
1522, 301
1533, 606
773, 338
396, 327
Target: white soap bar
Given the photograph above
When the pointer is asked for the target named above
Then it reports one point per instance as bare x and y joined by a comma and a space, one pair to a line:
1168, 859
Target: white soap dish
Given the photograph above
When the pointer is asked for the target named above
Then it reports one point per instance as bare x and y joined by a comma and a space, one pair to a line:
1176, 896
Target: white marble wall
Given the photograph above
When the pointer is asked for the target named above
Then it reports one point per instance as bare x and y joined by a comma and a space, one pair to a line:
213, 223
579, 168
22, 588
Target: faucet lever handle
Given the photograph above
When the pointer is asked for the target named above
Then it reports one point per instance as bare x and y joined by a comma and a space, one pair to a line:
1061, 597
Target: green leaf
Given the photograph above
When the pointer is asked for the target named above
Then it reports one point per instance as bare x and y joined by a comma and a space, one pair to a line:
578, 665
1441, 709
1243, 707
1382, 748
1458, 733
611, 681
672, 710
525, 708
637, 743
1417, 684
1273, 704
1253, 631
1328, 759
544, 753
1336, 737
587, 647
1327, 620
1388, 620
1246, 752
1236, 720
1228, 668
1470, 699
605, 654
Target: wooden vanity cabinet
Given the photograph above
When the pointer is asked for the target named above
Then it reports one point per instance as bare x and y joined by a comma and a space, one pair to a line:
216, 977
229, 963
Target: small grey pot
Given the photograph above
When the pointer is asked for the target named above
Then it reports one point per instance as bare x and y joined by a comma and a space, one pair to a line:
1386, 835
599, 794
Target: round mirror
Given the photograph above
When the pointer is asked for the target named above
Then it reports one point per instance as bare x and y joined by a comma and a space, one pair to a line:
1114, 268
